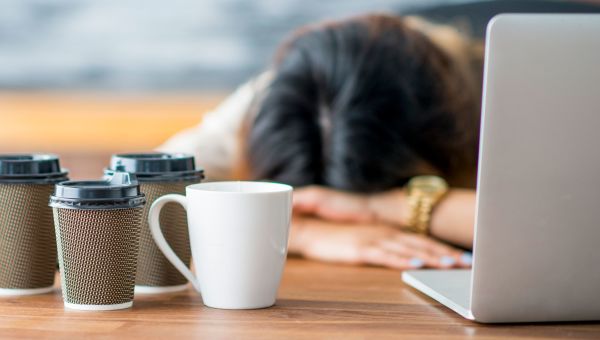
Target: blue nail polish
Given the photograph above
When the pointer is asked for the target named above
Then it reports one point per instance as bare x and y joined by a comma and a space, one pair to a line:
416, 262
447, 261
466, 258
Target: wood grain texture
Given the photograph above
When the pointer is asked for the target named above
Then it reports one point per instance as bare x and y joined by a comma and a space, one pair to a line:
315, 301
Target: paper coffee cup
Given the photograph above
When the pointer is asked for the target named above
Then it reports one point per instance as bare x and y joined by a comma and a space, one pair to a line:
161, 174
97, 226
27, 242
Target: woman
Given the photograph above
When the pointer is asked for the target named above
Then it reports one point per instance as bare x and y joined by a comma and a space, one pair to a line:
350, 111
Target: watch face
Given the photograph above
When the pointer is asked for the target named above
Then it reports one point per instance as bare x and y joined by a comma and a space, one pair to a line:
428, 184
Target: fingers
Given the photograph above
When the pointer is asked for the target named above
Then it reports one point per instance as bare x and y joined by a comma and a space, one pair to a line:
378, 256
399, 248
429, 259
445, 255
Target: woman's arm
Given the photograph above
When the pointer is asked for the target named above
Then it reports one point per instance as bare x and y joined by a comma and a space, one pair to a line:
452, 219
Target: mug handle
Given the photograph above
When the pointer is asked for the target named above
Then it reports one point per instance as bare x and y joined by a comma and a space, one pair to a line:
161, 242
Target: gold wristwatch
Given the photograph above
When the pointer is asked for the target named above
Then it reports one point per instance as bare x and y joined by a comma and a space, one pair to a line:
423, 193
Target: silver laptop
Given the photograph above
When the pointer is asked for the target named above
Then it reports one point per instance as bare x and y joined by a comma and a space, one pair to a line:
537, 227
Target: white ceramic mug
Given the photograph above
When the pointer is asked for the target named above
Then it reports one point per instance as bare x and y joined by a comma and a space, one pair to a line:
238, 237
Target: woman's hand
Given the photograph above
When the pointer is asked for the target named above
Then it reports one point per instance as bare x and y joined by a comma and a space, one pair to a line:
377, 245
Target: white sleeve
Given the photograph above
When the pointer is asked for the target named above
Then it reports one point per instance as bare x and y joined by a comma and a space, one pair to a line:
214, 142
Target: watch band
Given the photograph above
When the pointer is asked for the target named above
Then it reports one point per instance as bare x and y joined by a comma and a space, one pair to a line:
423, 192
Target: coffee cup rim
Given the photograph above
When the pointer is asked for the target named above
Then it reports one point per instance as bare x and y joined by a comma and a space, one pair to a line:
266, 187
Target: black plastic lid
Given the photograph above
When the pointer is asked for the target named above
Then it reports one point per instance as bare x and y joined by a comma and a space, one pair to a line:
120, 191
157, 166
31, 168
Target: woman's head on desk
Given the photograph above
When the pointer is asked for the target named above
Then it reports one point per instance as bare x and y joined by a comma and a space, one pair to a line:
365, 104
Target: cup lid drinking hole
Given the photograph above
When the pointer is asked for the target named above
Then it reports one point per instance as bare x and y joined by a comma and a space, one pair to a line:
121, 190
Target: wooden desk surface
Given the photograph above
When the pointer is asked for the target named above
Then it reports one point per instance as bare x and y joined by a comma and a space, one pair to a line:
315, 301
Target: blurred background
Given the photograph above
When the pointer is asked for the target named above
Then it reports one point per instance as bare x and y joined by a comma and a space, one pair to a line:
88, 78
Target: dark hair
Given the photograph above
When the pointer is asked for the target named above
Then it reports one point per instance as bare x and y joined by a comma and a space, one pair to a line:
362, 105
